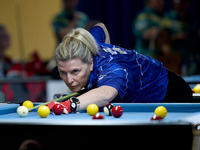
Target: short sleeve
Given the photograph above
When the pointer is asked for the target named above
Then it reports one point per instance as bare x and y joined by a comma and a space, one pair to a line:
114, 76
98, 33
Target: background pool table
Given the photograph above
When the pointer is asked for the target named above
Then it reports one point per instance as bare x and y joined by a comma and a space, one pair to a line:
78, 131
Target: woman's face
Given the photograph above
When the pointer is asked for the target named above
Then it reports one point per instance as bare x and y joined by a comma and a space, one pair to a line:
75, 73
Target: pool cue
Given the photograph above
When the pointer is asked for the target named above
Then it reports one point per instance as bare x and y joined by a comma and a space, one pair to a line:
57, 99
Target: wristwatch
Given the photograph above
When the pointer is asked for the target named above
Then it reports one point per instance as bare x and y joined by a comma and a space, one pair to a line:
75, 104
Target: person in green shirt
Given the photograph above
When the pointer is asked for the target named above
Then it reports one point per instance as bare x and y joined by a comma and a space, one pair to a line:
146, 24
68, 19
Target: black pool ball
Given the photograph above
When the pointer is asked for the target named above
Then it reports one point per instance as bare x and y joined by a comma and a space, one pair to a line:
107, 109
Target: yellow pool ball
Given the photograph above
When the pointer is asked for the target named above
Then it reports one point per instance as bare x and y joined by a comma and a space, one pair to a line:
43, 111
196, 89
28, 104
92, 109
161, 111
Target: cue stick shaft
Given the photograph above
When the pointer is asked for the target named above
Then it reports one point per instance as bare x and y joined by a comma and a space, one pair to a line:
56, 100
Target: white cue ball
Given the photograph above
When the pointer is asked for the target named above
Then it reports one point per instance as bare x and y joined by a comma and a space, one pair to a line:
22, 111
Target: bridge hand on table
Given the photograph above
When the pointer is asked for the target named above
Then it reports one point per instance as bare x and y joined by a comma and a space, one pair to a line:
66, 105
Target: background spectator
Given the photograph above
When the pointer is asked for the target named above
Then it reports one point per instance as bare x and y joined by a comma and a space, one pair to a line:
5, 62
146, 24
168, 36
68, 19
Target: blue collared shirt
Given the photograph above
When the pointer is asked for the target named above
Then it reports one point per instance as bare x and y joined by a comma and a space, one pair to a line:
137, 78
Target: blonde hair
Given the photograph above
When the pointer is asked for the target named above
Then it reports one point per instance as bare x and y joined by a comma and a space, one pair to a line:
78, 43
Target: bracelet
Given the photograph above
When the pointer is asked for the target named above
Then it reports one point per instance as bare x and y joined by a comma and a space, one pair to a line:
75, 103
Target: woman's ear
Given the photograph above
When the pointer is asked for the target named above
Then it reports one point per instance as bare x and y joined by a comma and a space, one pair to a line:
91, 64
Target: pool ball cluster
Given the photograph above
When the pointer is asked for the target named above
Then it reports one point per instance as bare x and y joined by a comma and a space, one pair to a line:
58, 109
43, 111
22, 111
109, 109
159, 113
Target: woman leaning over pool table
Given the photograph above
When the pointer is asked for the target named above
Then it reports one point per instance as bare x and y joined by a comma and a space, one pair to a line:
113, 74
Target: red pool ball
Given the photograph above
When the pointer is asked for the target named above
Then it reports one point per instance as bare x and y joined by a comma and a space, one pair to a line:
117, 111
155, 117
58, 109
98, 116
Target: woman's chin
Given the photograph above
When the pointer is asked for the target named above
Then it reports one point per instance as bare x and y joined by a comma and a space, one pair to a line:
75, 89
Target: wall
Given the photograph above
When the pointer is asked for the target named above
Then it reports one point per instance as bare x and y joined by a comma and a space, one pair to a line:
29, 24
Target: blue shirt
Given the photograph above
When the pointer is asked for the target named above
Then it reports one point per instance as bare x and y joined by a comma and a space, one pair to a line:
137, 78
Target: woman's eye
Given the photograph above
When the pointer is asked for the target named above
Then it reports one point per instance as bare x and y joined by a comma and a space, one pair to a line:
62, 72
76, 71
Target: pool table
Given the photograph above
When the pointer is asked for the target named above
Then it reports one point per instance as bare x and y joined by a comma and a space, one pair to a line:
179, 130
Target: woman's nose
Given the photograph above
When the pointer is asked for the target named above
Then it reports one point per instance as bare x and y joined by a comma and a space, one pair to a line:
70, 79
